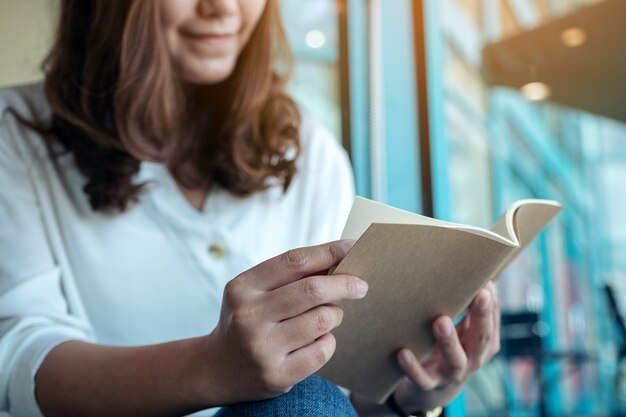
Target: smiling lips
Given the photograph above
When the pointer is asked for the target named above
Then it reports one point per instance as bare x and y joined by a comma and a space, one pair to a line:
212, 39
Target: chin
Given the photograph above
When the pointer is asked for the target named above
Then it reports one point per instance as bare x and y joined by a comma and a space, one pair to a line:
211, 73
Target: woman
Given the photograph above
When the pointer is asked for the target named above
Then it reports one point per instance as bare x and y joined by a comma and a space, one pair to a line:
163, 159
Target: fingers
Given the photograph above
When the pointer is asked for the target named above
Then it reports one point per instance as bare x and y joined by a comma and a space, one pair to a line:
295, 264
478, 338
304, 329
495, 340
453, 357
447, 362
457, 355
309, 359
466, 325
413, 369
274, 325
302, 295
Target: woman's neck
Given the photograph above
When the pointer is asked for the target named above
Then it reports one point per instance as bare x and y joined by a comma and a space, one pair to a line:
195, 197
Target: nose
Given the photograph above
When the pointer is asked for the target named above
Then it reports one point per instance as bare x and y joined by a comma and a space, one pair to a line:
214, 8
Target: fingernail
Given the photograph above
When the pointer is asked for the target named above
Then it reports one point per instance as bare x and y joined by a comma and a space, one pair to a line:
361, 287
405, 359
483, 301
445, 328
347, 244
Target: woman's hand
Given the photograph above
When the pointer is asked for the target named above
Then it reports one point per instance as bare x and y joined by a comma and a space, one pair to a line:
457, 354
276, 317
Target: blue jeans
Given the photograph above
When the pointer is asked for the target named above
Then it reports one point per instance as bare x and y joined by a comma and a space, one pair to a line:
313, 397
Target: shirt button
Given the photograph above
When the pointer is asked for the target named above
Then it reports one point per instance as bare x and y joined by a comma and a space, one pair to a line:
217, 251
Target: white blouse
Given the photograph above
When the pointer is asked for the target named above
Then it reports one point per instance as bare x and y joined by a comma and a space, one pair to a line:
152, 274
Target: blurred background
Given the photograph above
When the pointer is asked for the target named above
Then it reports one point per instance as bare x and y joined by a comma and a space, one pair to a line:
455, 109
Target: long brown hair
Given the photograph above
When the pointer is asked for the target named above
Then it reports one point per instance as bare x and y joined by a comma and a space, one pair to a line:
116, 100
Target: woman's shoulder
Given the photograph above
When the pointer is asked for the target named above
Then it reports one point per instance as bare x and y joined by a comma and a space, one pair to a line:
319, 144
324, 164
19, 104
28, 101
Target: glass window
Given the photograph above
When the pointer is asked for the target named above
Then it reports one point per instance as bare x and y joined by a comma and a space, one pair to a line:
312, 28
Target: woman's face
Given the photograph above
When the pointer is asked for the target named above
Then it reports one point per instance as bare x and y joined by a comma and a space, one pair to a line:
205, 37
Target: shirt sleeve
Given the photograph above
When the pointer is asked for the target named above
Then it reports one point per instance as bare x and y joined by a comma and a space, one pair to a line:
331, 177
34, 313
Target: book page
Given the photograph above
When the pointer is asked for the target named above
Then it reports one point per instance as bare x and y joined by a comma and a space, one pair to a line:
522, 221
507, 227
365, 212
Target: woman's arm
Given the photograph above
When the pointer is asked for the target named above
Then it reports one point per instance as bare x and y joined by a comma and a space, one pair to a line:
273, 332
78, 379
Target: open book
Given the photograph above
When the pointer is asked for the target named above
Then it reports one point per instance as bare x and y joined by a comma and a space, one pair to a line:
417, 268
